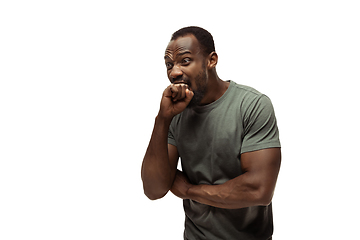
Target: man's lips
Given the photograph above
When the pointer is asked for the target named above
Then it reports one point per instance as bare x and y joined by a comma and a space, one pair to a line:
180, 82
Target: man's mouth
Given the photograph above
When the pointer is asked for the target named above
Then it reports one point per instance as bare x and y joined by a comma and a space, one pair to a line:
182, 82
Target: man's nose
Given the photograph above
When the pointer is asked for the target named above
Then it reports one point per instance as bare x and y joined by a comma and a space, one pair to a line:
175, 74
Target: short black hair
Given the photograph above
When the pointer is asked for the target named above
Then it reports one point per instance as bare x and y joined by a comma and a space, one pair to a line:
204, 37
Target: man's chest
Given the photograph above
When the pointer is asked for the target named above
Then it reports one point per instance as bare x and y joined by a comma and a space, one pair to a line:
210, 147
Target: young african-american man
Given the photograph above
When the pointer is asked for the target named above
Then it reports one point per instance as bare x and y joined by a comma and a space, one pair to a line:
227, 139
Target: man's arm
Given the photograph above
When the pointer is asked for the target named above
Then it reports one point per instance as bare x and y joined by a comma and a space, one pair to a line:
255, 187
160, 161
159, 164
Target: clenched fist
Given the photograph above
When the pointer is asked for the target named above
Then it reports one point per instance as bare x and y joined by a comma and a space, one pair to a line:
175, 99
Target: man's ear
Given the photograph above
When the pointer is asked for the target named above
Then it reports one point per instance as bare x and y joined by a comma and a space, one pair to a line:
212, 60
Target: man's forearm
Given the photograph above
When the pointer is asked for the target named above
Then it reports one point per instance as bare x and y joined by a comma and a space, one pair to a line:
236, 193
156, 172
254, 187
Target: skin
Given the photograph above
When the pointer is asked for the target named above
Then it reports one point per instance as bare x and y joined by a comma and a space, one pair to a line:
193, 76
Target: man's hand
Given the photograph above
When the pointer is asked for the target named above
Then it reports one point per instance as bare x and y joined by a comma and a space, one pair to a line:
174, 100
181, 185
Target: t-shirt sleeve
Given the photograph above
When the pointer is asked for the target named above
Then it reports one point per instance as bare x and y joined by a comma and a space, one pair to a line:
171, 137
260, 127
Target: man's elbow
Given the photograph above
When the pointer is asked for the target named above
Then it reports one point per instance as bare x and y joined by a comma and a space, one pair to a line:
264, 198
265, 201
154, 195
155, 191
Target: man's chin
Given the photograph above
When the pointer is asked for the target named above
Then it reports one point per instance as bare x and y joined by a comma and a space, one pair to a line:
195, 101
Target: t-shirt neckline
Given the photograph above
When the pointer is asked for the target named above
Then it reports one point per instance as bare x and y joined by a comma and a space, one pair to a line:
212, 105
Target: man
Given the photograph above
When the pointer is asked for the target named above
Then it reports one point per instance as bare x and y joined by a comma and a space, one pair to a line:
228, 141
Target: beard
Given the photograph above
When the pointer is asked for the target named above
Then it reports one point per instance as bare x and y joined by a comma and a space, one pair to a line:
200, 82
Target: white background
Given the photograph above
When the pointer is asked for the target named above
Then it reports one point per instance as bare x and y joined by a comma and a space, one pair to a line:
80, 87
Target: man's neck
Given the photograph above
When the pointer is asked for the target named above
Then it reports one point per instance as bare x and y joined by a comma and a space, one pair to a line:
215, 89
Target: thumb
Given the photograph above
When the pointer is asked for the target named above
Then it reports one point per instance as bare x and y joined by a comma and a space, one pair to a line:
189, 95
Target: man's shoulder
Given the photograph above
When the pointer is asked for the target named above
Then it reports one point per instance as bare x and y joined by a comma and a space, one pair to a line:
240, 88
248, 99
245, 94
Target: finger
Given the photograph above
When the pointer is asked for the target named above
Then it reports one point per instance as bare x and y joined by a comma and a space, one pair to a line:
168, 91
189, 96
181, 92
174, 91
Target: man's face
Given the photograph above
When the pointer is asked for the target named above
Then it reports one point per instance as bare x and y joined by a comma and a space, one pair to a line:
186, 64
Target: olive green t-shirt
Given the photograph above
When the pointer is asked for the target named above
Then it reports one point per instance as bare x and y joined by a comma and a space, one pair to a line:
210, 140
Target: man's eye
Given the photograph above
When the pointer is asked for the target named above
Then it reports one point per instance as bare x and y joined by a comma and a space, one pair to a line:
186, 60
169, 65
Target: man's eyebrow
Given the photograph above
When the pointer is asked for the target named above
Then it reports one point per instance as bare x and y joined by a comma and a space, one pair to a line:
183, 53
177, 54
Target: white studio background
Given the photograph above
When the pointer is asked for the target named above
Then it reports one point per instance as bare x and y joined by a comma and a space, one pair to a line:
80, 87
